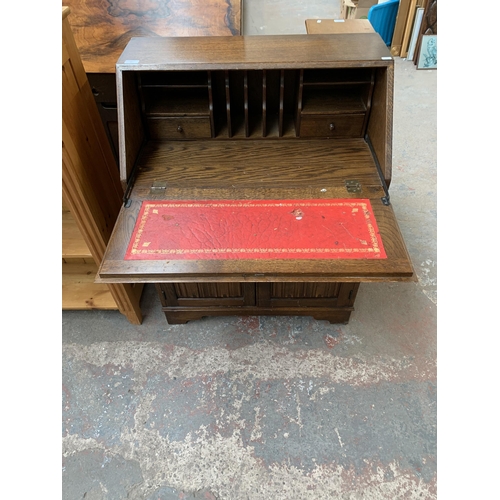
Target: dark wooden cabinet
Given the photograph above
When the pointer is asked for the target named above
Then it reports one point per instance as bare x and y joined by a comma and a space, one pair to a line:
103, 86
185, 301
256, 118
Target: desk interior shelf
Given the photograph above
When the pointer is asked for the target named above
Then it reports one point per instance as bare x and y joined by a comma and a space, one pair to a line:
256, 103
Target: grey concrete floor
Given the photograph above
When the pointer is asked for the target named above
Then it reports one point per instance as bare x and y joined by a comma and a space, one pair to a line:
270, 407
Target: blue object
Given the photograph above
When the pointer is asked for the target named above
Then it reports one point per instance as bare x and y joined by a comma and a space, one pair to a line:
383, 19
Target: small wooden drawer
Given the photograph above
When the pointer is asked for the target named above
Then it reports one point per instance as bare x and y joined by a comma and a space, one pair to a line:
350, 125
180, 128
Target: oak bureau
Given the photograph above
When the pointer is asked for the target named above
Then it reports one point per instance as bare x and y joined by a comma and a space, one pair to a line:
256, 174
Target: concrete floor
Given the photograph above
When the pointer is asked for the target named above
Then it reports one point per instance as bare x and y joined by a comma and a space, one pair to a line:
270, 407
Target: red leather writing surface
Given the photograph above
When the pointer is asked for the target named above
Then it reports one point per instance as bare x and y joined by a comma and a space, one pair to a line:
256, 229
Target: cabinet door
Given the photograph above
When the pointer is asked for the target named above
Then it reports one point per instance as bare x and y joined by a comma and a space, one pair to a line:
289, 294
207, 294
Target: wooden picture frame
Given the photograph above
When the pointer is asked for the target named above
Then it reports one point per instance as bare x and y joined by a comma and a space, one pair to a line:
427, 58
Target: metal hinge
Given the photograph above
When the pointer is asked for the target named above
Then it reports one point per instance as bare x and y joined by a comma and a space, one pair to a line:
130, 183
158, 187
353, 186
386, 200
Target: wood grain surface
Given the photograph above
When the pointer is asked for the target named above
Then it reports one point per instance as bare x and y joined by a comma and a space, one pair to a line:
256, 52
256, 164
102, 28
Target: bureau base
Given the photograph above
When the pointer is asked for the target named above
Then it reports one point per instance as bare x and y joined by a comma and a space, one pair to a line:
183, 302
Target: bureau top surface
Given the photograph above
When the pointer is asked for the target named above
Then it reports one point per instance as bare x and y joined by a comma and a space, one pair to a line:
254, 52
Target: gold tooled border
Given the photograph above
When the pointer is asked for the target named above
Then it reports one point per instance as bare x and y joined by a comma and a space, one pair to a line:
148, 206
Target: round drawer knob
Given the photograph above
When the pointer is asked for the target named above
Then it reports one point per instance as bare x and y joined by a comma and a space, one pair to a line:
179, 129
331, 126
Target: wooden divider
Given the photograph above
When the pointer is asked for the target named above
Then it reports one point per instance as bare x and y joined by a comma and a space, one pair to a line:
255, 104
282, 94
264, 103
211, 104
